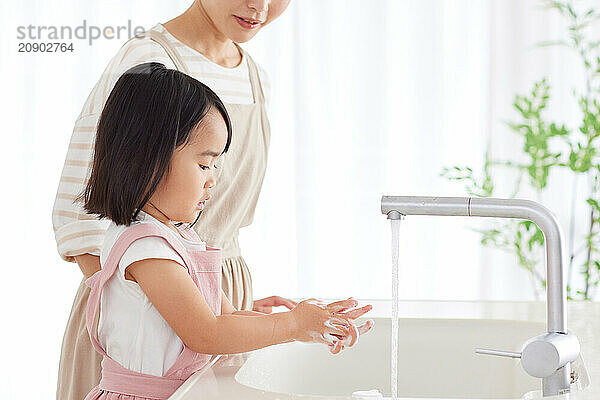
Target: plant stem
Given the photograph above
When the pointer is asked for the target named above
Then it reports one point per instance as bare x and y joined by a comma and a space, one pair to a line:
588, 275
587, 260
518, 184
572, 231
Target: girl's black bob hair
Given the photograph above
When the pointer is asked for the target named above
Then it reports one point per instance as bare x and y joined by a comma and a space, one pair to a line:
150, 112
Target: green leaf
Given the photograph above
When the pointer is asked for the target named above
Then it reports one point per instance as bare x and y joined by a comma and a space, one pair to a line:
537, 237
594, 204
555, 131
549, 43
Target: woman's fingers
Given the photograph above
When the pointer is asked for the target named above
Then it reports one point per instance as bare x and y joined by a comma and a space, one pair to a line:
267, 304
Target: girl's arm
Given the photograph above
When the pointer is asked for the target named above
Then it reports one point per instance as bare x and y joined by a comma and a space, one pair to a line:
249, 313
228, 308
171, 290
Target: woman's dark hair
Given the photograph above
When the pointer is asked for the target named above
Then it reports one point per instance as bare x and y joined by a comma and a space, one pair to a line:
149, 113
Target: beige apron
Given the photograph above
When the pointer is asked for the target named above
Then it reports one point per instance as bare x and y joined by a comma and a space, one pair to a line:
239, 178
231, 207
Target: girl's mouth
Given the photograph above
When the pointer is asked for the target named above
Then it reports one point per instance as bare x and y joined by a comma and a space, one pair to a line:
247, 24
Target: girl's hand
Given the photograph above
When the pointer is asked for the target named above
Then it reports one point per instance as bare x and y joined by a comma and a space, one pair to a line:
339, 343
314, 321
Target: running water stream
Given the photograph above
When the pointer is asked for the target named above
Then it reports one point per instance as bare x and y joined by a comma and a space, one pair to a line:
395, 253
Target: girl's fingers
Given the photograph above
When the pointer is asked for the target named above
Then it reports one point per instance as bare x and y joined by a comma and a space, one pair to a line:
353, 314
330, 338
336, 324
321, 339
336, 348
366, 327
337, 342
338, 321
349, 338
350, 331
353, 337
338, 306
355, 332
316, 302
339, 332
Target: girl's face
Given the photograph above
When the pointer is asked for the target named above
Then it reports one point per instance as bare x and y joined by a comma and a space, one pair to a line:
228, 16
181, 193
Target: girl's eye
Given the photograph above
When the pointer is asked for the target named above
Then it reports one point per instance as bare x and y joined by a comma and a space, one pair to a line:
204, 167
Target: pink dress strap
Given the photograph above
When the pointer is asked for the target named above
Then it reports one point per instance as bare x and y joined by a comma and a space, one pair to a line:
204, 267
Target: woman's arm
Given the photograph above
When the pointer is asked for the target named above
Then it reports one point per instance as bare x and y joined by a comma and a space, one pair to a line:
171, 290
77, 232
89, 264
228, 308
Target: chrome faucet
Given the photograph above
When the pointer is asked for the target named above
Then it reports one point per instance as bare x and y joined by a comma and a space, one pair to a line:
547, 356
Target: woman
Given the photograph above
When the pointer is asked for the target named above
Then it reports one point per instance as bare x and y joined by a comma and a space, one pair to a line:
201, 42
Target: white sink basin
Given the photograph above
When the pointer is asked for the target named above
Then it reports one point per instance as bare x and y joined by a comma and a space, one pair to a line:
436, 359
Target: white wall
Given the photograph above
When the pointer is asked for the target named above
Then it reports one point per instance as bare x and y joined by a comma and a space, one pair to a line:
369, 98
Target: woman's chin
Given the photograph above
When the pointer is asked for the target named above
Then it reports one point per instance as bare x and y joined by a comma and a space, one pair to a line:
242, 36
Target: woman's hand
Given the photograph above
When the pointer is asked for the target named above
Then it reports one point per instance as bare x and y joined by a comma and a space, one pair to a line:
266, 305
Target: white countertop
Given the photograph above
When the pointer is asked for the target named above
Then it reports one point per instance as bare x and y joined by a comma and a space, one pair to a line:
583, 320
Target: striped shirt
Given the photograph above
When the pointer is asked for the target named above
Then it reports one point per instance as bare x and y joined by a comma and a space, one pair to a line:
77, 232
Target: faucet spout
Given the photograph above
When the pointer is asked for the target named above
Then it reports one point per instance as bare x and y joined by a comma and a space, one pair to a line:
506, 208
502, 208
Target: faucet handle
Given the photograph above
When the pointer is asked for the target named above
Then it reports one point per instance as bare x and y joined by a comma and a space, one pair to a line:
542, 355
502, 353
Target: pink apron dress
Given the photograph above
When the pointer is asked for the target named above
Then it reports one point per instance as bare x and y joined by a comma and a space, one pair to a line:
117, 382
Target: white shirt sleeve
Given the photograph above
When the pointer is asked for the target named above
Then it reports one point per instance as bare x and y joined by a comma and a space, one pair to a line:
77, 232
148, 247
265, 81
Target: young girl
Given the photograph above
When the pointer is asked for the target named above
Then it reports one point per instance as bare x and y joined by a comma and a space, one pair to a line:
159, 143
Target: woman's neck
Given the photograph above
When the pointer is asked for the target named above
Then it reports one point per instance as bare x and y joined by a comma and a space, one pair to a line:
195, 29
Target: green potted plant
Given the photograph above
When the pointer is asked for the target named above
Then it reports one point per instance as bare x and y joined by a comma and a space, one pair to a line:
580, 154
